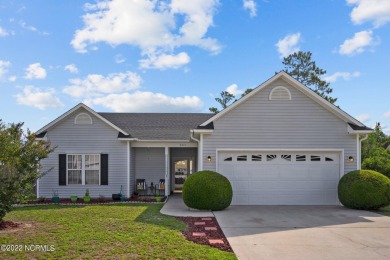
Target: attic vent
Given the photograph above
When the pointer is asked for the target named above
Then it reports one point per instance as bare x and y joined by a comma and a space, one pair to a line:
83, 119
280, 93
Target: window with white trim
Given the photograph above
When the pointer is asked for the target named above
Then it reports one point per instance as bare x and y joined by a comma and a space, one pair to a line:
83, 169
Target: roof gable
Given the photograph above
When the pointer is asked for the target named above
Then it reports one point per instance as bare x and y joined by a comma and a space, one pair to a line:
71, 111
307, 91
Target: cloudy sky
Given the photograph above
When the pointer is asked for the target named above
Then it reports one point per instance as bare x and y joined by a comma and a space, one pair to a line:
177, 55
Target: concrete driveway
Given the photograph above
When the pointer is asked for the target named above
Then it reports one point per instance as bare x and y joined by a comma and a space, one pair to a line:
305, 232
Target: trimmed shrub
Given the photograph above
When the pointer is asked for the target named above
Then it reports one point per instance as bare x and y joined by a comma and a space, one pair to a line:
364, 189
207, 190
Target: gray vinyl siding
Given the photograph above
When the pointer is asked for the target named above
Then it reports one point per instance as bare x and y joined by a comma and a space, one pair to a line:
259, 123
150, 164
98, 138
132, 170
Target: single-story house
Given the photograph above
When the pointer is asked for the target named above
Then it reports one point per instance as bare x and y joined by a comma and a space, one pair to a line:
281, 144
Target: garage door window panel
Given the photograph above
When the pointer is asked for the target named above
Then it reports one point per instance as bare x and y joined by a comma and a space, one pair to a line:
257, 158
242, 158
315, 158
271, 157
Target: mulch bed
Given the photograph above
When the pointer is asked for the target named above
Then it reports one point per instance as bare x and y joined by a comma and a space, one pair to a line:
4, 225
96, 201
209, 234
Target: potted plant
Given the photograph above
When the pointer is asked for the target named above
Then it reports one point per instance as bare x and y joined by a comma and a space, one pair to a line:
74, 198
55, 197
86, 197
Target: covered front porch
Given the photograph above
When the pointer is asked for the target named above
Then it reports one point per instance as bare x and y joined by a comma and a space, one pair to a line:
161, 171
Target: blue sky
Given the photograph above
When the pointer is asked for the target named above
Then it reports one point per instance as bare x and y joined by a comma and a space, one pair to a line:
177, 55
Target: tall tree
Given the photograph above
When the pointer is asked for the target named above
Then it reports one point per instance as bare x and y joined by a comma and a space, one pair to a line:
301, 67
20, 156
226, 99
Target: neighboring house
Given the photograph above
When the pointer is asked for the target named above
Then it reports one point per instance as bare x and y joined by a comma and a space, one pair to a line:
281, 144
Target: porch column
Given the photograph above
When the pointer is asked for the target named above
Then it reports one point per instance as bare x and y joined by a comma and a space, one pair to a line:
128, 168
167, 181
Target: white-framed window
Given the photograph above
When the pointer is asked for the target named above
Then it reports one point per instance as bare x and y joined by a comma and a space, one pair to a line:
83, 169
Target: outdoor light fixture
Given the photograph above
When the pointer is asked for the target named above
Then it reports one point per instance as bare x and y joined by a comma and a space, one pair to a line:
209, 158
350, 159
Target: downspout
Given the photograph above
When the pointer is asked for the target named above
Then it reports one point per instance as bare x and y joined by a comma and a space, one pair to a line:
199, 150
360, 151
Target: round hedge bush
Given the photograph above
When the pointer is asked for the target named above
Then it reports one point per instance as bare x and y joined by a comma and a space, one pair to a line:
207, 190
364, 189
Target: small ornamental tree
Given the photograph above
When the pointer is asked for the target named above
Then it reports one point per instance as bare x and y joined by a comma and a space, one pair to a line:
20, 156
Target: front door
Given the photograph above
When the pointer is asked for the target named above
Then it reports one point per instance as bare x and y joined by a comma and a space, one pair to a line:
182, 168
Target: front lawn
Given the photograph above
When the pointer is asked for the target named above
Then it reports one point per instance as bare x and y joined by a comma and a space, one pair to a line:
102, 231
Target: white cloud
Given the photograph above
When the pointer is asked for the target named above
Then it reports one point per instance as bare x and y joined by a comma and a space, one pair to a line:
376, 11
119, 59
147, 102
233, 89
357, 43
31, 28
72, 68
165, 61
289, 44
33, 96
96, 84
4, 65
35, 71
363, 117
344, 75
12, 79
387, 114
3, 32
156, 27
251, 6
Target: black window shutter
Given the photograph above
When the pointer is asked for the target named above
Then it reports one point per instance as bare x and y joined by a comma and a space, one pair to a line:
104, 169
62, 169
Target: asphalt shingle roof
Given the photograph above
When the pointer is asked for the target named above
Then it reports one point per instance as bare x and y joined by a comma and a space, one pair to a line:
356, 127
157, 126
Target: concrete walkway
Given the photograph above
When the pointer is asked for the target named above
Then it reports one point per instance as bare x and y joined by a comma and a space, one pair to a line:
176, 207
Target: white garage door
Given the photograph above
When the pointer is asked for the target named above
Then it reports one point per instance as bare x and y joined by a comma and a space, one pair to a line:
282, 178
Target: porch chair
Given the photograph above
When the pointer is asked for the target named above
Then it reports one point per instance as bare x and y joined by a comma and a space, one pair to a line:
161, 187
140, 186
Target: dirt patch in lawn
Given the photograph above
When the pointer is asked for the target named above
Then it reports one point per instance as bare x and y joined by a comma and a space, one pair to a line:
10, 226
205, 231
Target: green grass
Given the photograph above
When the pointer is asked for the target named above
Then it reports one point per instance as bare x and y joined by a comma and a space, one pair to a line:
385, 211
103, 231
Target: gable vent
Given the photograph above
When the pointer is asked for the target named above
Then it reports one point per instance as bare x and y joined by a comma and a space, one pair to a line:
83, 119
280, 93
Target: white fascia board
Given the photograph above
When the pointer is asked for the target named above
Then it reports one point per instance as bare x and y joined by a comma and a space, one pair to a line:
81, 105
330, 107
202, 131
185, 144
128, 139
